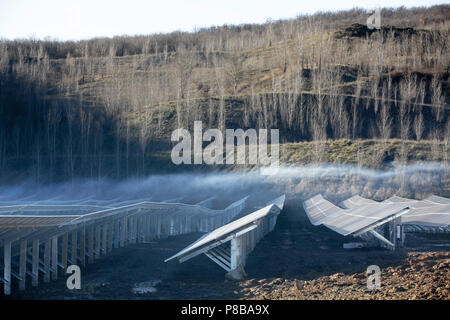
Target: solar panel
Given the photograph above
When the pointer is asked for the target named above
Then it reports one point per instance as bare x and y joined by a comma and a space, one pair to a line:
355, 202
360, 212
172, 208
246, 223
354, 220
319, 209
279, 202
437, 199
432, 216
397, 199
22, 221
226, 230
433, 211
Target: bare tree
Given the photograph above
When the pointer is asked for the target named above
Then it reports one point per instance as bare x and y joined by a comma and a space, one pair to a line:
436, 97
419, 126
234, 70
184, 65
385, 121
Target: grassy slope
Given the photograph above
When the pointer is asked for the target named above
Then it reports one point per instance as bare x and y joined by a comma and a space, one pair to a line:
368, 153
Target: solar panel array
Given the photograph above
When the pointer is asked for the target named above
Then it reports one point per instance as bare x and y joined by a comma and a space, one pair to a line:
37, 232
357, 214
433, 211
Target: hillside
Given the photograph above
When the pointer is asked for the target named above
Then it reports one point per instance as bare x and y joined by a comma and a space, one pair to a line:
107, 107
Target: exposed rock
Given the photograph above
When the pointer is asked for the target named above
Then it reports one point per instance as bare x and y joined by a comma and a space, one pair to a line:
358, 30
421, 276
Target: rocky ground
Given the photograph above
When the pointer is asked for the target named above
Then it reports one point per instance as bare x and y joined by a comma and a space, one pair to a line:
422, 275
295, 261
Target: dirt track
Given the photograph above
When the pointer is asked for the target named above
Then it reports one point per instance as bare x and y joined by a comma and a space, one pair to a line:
295, 261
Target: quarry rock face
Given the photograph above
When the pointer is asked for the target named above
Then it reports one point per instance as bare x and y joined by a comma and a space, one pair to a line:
358, 30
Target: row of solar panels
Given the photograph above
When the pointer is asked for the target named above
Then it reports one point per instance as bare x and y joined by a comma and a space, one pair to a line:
55, 214
357, 214
105, 229
94, 231
20, 221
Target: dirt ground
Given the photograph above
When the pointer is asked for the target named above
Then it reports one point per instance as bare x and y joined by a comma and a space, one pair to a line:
295, 261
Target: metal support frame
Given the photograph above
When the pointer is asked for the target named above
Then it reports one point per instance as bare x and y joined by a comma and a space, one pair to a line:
382, 239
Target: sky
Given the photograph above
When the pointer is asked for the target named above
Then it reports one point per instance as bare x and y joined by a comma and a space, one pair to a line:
84, 19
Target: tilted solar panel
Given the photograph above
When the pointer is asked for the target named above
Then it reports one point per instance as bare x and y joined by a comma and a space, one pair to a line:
318, 209
355, 202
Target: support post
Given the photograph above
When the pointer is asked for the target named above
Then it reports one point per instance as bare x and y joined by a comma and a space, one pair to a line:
158, 226
403, 236
35, 264
135, 229
130, 230
47, 247
147, 228
91, 244
83, 247
23, 264
116, 233
64, 247
104, 239
237, 269
55, 258
399, 233
7, 267
139, 229
74, 255
123, 238
98, 231
110, 235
